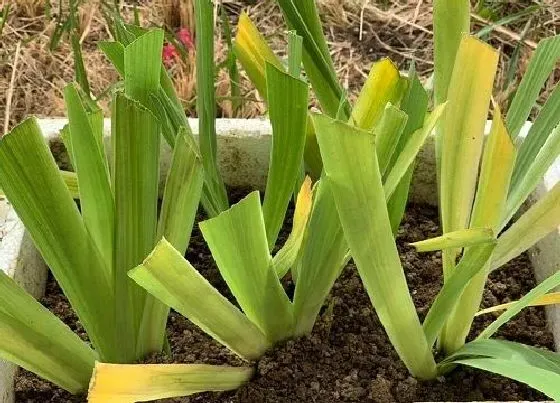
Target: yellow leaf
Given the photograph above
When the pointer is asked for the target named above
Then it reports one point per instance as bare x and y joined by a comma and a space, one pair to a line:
383, 85
285, 258
116, 383
547, 299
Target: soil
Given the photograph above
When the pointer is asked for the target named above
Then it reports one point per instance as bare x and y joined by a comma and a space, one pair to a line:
348, 357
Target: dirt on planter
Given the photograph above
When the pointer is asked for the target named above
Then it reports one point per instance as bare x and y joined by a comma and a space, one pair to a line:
348, 357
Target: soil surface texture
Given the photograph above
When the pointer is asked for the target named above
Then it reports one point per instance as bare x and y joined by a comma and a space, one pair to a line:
348, 357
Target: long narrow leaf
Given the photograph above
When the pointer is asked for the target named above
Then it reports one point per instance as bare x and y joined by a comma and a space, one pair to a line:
206, 103
285, 258
33, 185
136, 141
254, 53
387, 134
237, 240
451, 21
180, 204
96, 198
534, 174
358, 195
35, 339
468, 95
410, 151
457, 239
542, 380
142, 383
383, 85
493, 184
508, 350
552, 298
471, 264
287, 102
541, 219
170, 278
415, 105
516, 307
547, 120
302, 16
541, 65
323, 253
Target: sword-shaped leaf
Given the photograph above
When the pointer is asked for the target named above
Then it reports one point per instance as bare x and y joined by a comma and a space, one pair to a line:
114, 383
32, 337
237, 240
287, 103
169, 277
361, 205
33, 185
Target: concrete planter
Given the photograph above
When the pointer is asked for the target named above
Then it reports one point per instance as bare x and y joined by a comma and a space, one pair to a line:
243, 158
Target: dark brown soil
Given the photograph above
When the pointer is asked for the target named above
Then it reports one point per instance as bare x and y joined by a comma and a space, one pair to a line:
348, 358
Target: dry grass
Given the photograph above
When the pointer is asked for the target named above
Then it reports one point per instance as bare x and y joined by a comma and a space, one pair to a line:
359, 32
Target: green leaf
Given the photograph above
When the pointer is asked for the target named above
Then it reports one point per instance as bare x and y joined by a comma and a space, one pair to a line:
172, 279
322, 255
142, 66
287, 102
387, 134
541, 219
508, 19
540, 379
537, 292
71, 181
206, 103
33, 338
79, 68
541, 65
451, 21
180, 204
182, 193
140, 383
254, 53
463, 135
547, 120
471, 264
96, 197
508, 350
233, 71
302, 16
361, 205
534, 174
411, 149
457, 239
33, 185
295, 53
237, 240
114, 51
493, 184
136, 141
415, 105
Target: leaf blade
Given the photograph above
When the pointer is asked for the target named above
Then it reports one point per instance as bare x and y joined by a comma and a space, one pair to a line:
139, 383
172, 279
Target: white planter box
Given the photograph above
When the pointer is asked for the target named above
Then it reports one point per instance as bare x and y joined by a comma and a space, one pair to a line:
243, 158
